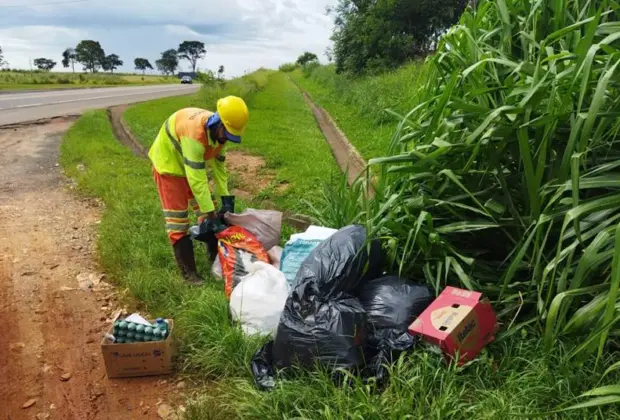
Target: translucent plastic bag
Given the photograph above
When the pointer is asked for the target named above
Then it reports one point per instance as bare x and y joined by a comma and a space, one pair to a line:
266, 225
257, 301
275, 255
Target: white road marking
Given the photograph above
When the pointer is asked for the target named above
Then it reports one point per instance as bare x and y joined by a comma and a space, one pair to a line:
85, 91
94, 98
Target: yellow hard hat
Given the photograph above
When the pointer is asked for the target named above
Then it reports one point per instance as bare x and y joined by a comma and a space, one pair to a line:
234, 114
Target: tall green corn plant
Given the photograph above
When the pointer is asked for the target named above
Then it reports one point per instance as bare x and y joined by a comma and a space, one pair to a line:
506, 174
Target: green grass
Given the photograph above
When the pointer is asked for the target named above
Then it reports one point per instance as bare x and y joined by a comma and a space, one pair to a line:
19, 80
359, 105
514, 377
282, 130
511, 381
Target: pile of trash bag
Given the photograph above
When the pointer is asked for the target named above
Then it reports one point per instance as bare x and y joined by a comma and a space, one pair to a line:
391, 304
342, 312
321, 309
323, 299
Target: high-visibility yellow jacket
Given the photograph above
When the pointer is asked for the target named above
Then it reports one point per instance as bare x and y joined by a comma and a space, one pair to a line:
183, 148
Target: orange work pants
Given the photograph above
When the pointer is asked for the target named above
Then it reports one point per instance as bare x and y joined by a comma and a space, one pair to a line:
176, 197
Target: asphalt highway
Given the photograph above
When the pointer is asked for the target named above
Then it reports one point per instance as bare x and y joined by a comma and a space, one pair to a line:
20, 107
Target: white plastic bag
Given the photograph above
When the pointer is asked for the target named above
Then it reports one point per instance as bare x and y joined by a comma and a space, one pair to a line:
259, 298
216, 269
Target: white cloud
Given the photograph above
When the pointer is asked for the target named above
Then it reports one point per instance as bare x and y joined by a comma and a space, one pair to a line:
240, 34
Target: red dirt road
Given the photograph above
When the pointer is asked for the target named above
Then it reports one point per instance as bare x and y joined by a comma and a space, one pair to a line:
50, 326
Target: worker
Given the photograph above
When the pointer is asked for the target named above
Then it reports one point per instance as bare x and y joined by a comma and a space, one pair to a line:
188, 141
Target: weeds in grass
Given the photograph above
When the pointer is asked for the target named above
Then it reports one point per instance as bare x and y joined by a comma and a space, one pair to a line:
504, 178
506, 172
338, 204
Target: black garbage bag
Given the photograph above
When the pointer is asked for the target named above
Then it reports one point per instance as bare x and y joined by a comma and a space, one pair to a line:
391, 305
322, 321
262, 367
337, 265
381, 358
332, 335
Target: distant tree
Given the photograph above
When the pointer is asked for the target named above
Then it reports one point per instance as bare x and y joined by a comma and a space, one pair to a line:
69, 58
192, 51
159, 64
220, 72
44, 63
372, 36
169, 62
142, 64
90, 54
111, 62
2, 62
306, 58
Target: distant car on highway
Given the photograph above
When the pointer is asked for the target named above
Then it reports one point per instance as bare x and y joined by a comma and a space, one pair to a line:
186, 80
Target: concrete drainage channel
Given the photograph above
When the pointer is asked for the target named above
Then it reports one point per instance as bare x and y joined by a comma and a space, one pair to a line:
122, 132
348, 158
125, 136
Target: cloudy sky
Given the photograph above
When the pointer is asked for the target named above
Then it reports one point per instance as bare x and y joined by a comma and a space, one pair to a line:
242, 35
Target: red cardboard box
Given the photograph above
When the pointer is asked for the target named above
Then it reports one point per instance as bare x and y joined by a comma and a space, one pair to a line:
457, 321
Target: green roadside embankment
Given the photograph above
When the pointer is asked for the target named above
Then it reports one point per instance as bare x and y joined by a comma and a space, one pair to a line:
517, 376
359, 105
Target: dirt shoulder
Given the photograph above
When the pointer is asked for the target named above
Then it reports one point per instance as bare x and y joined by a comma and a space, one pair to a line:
52, 327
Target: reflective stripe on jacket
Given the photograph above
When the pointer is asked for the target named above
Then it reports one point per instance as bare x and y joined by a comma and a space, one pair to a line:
182, 148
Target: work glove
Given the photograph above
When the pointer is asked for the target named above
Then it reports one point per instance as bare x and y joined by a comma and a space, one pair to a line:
228, 205
208, 228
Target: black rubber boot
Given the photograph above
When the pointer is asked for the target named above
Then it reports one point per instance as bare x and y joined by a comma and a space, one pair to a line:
184, 254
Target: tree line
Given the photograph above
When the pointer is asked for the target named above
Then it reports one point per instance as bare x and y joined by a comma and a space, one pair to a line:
91, 55
371, 36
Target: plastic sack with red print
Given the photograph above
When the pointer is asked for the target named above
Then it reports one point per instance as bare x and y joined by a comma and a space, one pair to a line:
237, 249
